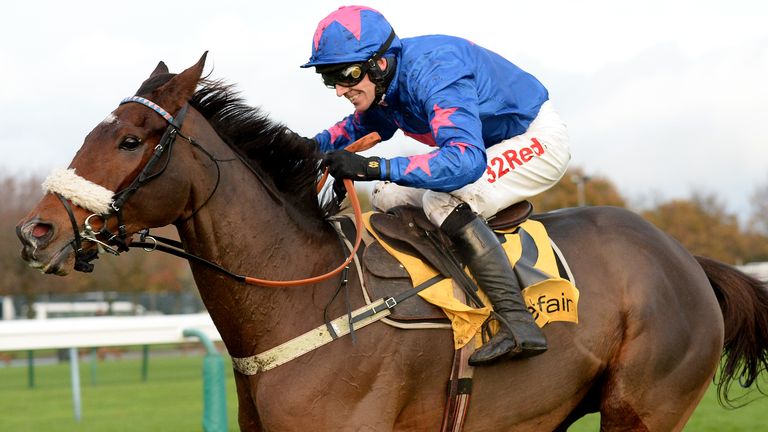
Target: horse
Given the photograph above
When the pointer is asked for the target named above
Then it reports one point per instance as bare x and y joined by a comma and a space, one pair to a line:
239, 187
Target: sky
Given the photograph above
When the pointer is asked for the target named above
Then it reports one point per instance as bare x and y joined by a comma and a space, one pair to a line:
663, 98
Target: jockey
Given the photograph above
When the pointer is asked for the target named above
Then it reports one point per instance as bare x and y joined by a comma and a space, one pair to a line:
497, 141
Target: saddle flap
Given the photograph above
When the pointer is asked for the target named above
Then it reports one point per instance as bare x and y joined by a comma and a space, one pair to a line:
408, 230
386, 277
511, 216
380, 263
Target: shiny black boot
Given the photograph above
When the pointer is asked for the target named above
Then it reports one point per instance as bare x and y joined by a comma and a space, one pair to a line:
518, 336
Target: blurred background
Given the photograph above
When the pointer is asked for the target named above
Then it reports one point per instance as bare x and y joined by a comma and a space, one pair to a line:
664, 102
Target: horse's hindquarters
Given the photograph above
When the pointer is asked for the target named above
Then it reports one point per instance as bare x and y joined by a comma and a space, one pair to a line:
651, 306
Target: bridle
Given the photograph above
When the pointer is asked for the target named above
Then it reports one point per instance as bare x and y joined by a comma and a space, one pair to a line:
118, 242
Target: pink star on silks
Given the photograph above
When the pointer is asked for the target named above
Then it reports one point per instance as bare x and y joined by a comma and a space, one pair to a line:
338, 130
441, 118
349, 17
462, 146
421, 162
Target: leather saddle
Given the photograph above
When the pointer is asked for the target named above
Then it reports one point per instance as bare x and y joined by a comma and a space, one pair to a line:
408, 230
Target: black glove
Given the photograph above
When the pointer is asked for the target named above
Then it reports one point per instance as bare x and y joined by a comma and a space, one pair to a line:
347, 165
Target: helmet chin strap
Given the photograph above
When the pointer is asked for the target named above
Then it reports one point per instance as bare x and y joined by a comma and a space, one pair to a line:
383, 79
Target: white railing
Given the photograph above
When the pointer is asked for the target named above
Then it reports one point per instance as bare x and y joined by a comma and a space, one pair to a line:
102, 331
757, 270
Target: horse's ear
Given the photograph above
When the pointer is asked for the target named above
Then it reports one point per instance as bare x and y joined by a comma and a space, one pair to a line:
159, 70
176, 92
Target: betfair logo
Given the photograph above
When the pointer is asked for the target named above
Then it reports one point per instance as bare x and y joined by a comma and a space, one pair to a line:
373, 164
556, 300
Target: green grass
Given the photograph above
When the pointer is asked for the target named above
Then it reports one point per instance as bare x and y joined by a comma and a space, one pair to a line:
171, 400
710, 416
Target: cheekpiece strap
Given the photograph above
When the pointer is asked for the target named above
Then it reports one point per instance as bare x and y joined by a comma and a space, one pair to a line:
150, 104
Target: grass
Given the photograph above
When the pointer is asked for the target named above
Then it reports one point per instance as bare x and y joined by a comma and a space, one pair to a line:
171, 400
710, 416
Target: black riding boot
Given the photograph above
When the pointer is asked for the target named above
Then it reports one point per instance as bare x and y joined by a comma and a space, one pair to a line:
518, 336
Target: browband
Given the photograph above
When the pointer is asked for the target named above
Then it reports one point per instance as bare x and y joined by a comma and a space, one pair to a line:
152, 105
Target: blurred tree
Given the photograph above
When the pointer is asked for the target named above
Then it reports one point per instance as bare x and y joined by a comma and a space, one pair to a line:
577, 188
703, 227
756, 246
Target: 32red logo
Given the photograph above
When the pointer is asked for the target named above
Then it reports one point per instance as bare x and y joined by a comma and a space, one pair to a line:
500, 166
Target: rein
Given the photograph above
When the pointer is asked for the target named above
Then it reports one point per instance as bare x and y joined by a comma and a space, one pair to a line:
117, 243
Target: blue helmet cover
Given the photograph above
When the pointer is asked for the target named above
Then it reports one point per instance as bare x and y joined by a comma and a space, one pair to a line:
350, 34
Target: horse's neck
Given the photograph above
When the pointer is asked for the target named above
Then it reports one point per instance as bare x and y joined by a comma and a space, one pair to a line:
251, 231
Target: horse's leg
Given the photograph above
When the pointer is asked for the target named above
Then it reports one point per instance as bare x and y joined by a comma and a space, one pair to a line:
424, 383
247, 416
671, 346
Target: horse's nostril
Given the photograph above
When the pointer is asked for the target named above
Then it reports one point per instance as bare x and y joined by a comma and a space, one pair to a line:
40, 230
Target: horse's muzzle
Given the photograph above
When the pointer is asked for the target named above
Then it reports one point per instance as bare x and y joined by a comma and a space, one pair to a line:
36, 237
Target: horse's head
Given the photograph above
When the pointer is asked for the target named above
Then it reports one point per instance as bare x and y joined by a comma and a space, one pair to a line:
97, 198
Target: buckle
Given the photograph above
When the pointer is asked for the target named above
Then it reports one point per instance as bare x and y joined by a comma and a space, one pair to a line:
390, 302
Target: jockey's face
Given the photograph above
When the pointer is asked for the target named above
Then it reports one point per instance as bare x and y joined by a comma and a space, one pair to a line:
361, 94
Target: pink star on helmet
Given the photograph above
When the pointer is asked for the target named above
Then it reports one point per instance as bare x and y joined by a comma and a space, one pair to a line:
348, 16
338, 130
421, 162
440, 118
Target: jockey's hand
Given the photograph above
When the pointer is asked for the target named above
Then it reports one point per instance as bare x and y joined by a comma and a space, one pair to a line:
347, 165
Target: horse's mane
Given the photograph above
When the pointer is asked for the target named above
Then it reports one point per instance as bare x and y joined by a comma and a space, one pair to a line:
288, 160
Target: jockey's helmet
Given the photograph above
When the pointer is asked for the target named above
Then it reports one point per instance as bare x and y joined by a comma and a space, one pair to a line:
352, 34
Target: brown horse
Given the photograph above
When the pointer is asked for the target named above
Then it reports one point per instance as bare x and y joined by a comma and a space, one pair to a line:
654, 320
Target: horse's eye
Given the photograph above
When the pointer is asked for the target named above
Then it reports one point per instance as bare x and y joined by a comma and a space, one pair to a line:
130, 143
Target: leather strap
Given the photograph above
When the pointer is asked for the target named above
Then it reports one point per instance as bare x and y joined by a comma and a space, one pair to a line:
322, 335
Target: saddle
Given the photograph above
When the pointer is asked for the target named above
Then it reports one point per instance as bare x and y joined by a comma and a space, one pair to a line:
408, 230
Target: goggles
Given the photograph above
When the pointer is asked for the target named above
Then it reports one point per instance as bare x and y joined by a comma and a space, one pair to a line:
351, 74
346, 76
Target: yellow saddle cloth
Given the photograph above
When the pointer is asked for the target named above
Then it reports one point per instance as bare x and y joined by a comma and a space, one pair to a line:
553, 299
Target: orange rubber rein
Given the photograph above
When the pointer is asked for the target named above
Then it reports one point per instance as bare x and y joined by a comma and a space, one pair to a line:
362, 144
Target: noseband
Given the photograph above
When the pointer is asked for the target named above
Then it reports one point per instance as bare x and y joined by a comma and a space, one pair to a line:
117, 242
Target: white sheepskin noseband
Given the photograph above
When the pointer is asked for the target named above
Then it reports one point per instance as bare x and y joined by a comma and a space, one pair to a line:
81, 192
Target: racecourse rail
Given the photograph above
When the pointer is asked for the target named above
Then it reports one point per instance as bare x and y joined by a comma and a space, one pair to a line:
22, 335
105, 331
